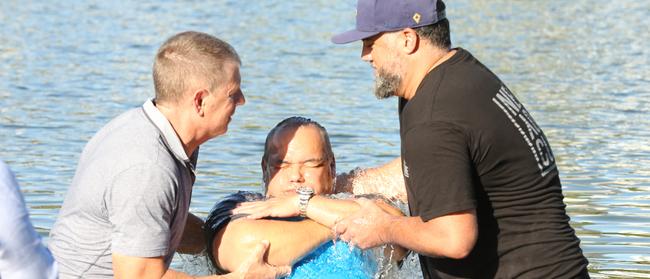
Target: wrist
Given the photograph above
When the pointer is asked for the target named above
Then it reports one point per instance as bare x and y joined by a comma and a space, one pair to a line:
304, 195
295, 202
391, 224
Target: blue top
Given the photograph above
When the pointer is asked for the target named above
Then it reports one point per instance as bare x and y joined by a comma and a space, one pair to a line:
336, 260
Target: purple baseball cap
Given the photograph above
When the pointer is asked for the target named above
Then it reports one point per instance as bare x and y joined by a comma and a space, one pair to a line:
376, 16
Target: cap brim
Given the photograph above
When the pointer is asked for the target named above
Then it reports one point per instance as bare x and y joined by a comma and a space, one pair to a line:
351, 36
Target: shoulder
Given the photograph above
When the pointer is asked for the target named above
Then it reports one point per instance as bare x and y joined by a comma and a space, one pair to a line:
230, 201
461, 77
220, 214
459, 92
128, 141
128, 131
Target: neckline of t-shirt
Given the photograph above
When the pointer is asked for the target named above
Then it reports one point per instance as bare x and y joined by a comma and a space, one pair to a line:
460, 52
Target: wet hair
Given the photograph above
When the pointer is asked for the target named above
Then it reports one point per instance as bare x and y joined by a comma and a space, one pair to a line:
190, 58
292, 123
437, 33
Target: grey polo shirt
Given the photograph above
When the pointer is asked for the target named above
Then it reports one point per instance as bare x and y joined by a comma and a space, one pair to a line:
130, 195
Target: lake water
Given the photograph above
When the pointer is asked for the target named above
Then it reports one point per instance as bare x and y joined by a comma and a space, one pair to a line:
581, 67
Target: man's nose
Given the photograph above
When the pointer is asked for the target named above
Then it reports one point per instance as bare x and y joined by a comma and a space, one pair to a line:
241, 100
295, 174
366, 55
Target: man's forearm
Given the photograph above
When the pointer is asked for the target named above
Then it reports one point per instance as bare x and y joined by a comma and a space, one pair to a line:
192, 241
386, 180
328, 211
450, 236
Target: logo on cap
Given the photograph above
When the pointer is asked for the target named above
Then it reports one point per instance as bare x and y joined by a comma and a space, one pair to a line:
416, 18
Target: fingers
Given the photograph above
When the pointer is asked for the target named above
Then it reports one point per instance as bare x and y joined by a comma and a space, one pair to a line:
248, 204
342, 231
277, 271
258, 215
281, 271
250, 209
341, 226
350, 238
363, 202
346, 237
260, 250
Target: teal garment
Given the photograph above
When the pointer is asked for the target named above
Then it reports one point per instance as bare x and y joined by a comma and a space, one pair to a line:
336, 260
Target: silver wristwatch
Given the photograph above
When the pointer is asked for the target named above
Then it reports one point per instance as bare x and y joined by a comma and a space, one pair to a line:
304, 195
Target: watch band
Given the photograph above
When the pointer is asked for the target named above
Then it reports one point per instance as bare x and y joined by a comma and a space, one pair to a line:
304, 195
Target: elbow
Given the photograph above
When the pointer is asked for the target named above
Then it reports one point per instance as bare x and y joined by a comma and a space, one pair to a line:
460, 252
451, 248
460, 247
456, 235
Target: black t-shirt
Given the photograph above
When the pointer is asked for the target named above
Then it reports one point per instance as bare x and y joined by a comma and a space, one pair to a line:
467, 142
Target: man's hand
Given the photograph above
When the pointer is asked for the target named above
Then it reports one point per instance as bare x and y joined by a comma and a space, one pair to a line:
369, 227
256, 267
281, 207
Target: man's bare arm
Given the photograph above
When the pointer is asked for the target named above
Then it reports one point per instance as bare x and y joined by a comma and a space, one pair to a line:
386, 180
192, 241
452, 235
289, 240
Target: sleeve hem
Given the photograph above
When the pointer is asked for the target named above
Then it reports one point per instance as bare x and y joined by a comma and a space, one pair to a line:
139, 252
432, 214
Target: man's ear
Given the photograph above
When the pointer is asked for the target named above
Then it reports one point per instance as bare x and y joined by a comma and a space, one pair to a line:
265, 172
410, 40
198, 102
333, 167
265, 176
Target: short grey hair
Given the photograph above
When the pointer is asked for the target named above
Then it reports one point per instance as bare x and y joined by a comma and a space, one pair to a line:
190, 57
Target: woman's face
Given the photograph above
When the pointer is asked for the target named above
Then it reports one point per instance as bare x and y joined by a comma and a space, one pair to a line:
298, 159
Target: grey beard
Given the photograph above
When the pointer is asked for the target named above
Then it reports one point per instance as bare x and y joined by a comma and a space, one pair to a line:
386, 84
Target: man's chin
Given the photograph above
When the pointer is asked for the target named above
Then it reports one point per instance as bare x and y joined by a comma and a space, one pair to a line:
382, 94
386, 86
383, 97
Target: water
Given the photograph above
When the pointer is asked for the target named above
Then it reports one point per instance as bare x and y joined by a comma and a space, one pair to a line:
581, 68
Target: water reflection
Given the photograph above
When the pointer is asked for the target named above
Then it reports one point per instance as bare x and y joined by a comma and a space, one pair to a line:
581, 67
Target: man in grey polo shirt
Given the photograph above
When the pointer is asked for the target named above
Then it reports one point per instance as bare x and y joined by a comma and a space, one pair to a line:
126, 210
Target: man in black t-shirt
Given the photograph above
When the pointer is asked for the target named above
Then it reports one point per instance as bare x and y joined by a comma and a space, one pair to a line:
481, 180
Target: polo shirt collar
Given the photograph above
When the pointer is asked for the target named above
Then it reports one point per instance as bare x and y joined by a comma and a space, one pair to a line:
168, 133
